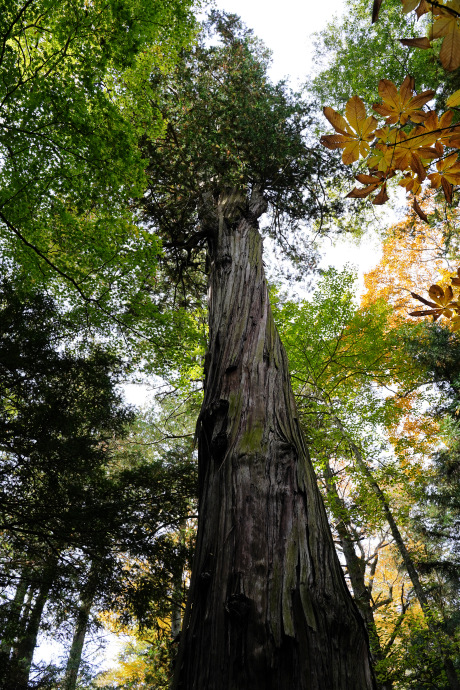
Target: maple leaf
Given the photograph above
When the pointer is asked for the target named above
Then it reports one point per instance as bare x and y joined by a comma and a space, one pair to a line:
401, 105
447, 26
411, 183
354, 135
448, 175
442, 304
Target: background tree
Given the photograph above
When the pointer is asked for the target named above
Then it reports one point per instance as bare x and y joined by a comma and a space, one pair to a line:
75, 94
74, 506
370, 451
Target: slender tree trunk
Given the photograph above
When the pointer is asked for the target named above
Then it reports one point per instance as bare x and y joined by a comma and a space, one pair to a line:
356, 568
11, 624
449, 668
268, 606
177, 593
21, 660
81, 625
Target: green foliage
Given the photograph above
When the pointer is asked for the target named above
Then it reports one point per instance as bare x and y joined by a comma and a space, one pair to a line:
342, 353
437, 351
342, 359
79, 493
352, 55
75, 92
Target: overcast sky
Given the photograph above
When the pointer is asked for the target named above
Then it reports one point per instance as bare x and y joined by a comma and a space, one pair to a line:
285, 26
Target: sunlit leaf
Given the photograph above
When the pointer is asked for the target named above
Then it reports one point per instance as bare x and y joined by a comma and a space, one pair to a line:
446, 26
401, 105
354, 135
454, 99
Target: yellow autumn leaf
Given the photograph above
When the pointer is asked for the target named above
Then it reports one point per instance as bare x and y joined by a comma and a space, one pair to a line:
403, 104
446, 26
409, 5
337, 120
354, 134
432, 128
454, 99
411, 183
447, 176
442, 303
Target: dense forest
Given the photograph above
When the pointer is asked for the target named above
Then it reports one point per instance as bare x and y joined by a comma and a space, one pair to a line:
284, 511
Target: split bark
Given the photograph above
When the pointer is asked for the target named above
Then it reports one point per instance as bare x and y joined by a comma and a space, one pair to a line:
268, 606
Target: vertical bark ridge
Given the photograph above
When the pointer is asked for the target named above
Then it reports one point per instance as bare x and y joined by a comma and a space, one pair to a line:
268, 605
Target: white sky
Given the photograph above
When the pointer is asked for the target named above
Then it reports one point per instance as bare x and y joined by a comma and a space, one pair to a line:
286, 27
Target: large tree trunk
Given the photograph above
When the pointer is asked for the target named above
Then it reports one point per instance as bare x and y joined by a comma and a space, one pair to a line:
268, 605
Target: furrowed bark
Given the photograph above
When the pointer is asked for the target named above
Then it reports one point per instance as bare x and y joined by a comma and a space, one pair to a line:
268, 605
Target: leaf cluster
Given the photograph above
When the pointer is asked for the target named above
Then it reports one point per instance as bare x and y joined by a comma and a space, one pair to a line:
74, 91
398, 146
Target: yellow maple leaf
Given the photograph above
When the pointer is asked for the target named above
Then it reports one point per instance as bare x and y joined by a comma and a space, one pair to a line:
403, 104
354, 135
411, 183
442, 303
448, 175
447, 26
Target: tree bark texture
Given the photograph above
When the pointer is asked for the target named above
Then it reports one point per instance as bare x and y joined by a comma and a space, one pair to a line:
268, 605
81, 626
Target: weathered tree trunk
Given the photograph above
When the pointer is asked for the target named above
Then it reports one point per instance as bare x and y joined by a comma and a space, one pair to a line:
81, 625
268, 605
